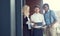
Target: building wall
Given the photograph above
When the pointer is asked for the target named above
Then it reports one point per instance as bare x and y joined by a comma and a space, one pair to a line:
32, 3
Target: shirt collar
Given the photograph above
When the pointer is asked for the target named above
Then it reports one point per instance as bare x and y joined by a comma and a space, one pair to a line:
47, 11
36, 13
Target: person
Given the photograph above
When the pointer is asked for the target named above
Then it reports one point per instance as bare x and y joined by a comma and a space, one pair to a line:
50, 19
38, 21
26, 30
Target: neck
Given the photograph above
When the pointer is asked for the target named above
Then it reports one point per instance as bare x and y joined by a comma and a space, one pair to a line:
36, 12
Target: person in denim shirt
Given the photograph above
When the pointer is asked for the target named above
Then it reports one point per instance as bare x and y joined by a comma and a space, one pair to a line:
50, 19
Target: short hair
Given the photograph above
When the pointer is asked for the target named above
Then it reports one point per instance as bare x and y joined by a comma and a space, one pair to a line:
46, 5
37, 6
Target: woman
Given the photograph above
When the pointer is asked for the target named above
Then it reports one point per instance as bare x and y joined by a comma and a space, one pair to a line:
26, 31
38, 20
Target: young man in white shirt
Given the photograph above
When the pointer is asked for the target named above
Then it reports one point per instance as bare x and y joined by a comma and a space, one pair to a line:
38, 20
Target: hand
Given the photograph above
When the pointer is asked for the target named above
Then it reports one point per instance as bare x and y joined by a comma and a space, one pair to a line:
49, 26
44, 27
34, 25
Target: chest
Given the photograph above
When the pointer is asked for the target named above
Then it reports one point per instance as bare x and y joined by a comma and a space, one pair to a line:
47, 15
37, 16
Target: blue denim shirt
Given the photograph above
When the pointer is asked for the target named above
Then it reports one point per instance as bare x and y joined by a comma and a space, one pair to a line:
49, 17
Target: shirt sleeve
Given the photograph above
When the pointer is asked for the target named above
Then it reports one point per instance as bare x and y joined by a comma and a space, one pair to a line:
54, 15
43, 20
32, 18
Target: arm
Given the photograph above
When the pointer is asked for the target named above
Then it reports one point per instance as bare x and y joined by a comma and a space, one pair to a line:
44, 24
54, 17
43, 21
32, 21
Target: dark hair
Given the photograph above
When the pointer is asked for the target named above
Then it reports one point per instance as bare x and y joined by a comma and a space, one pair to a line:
37, 6
46, 5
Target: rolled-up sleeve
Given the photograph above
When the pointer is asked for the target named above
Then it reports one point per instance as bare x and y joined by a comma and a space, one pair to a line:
54, 15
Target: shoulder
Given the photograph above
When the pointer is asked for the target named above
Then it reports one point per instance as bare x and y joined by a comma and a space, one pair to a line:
51, 11
41, 15
33, 15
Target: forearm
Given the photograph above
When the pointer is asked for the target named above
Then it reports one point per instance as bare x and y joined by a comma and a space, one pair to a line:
32, 22
54, 22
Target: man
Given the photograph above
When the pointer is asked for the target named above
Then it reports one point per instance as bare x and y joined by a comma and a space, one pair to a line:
50, 19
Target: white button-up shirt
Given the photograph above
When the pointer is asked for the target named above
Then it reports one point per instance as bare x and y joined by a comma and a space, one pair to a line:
37, 17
